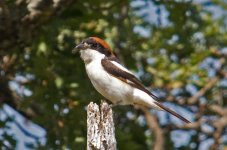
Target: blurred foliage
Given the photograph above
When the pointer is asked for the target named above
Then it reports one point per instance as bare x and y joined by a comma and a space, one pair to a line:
182, 36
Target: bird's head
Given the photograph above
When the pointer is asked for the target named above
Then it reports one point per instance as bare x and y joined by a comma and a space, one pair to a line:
94, 43
93, 48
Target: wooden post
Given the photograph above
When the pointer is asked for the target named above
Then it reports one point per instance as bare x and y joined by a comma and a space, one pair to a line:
100, 127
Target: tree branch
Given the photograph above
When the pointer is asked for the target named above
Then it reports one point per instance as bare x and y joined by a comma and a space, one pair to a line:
152, 122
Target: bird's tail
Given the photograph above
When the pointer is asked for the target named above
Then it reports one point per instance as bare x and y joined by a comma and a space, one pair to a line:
171, 112
149, 100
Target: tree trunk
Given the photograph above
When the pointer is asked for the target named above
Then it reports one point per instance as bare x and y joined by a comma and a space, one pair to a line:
100, 127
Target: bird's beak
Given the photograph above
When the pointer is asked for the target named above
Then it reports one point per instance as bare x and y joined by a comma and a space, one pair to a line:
80, 46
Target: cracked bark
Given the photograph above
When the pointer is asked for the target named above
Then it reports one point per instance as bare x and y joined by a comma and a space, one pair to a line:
100, 127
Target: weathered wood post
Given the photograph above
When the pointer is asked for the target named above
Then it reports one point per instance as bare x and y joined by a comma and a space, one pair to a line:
100, 127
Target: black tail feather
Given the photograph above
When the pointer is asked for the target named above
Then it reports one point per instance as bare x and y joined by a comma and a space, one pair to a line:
172, 112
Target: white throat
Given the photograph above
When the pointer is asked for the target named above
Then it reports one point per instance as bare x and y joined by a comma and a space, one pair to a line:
90, 55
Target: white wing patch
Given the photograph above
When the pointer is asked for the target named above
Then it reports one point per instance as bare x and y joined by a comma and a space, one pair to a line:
121, 67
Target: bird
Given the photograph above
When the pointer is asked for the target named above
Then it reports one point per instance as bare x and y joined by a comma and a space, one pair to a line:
113, 80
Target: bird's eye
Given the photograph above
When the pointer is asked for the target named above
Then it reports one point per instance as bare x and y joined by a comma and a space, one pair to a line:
93, 45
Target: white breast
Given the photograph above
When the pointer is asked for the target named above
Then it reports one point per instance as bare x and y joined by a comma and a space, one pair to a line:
110, 87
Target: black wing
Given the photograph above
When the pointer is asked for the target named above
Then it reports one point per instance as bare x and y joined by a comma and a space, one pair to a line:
124, 75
